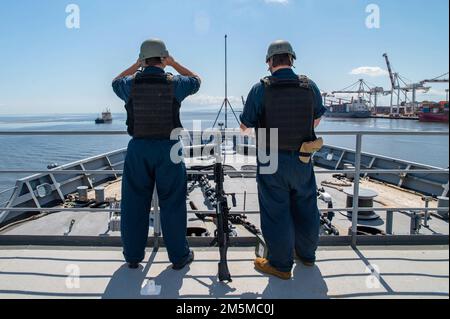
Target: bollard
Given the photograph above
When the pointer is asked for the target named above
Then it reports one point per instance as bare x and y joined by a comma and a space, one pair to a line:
389, 222
99, 195
83, 193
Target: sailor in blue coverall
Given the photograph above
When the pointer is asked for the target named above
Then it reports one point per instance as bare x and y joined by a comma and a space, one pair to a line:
153, 100
290, 217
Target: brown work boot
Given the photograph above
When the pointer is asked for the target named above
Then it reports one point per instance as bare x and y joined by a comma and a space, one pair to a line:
263, 265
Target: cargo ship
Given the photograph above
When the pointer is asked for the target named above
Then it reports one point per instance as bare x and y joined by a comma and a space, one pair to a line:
355, 109
106, 118
434, 112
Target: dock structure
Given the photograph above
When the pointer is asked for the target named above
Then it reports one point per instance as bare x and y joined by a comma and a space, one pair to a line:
399, 117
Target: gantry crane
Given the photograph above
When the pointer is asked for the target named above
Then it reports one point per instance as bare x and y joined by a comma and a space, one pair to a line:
436, 80
362, 89
396, 81
326, 95
391, 74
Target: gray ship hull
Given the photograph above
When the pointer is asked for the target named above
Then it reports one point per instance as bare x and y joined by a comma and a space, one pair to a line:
329, 157
354, 115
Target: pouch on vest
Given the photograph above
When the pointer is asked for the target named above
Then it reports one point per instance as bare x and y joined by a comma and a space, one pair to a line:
308, 149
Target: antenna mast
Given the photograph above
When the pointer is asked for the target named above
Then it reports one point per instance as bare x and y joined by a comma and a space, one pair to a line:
226, 102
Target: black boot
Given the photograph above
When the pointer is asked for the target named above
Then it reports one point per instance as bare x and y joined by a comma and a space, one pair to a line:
187, 262
305, 262
133, 265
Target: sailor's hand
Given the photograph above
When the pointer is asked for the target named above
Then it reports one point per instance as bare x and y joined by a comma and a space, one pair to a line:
245, 131
169, 61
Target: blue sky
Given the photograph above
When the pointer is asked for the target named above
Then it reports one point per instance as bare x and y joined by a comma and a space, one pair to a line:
48, 68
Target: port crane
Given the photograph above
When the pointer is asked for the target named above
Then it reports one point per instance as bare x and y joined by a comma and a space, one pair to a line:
325, 97
362, 89
439, 79
421, 86
328, 99
396, 85
436, 79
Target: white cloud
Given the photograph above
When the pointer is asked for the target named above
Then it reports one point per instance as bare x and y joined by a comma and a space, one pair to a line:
373, 71
202, 22
277, 1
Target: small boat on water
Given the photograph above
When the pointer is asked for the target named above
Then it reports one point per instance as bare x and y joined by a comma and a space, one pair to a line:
434, 112
355, 109
106, 118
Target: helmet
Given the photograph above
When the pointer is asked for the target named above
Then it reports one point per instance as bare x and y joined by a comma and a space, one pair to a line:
280, 47
153, 48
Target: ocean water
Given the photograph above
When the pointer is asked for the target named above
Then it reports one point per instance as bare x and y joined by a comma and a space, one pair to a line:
36, 152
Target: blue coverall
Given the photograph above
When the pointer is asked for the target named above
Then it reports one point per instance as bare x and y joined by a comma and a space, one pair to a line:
288, 199
148, 163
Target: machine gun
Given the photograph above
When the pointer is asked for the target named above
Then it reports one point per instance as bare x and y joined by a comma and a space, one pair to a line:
218, 199
223, 229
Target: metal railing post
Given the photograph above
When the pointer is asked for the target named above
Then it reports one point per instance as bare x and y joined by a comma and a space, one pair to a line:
217, 147
427, 200
356, 189
389, 222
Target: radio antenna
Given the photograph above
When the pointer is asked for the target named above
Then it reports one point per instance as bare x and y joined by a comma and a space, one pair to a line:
226, 102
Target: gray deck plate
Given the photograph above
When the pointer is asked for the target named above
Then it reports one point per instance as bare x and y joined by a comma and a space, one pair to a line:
405, 272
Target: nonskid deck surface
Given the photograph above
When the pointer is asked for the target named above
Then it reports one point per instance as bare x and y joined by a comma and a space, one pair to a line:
376, 272
61, 272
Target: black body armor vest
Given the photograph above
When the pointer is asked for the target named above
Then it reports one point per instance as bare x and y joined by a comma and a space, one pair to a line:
153, 111
289, 107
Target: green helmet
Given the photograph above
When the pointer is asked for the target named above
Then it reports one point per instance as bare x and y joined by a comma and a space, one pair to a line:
280, 47
153, 48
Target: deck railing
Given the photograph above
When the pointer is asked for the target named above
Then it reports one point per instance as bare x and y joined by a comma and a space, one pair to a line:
358, 171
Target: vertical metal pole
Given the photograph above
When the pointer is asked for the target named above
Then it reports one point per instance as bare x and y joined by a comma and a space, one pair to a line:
427, 212
413, 227
157, 220
226, 83
389, 222
245, 201
398, 101
356, 189
392, 101
217, 150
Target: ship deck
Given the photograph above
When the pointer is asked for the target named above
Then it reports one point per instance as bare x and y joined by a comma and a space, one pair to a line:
28, 270
400, 272
96, 223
